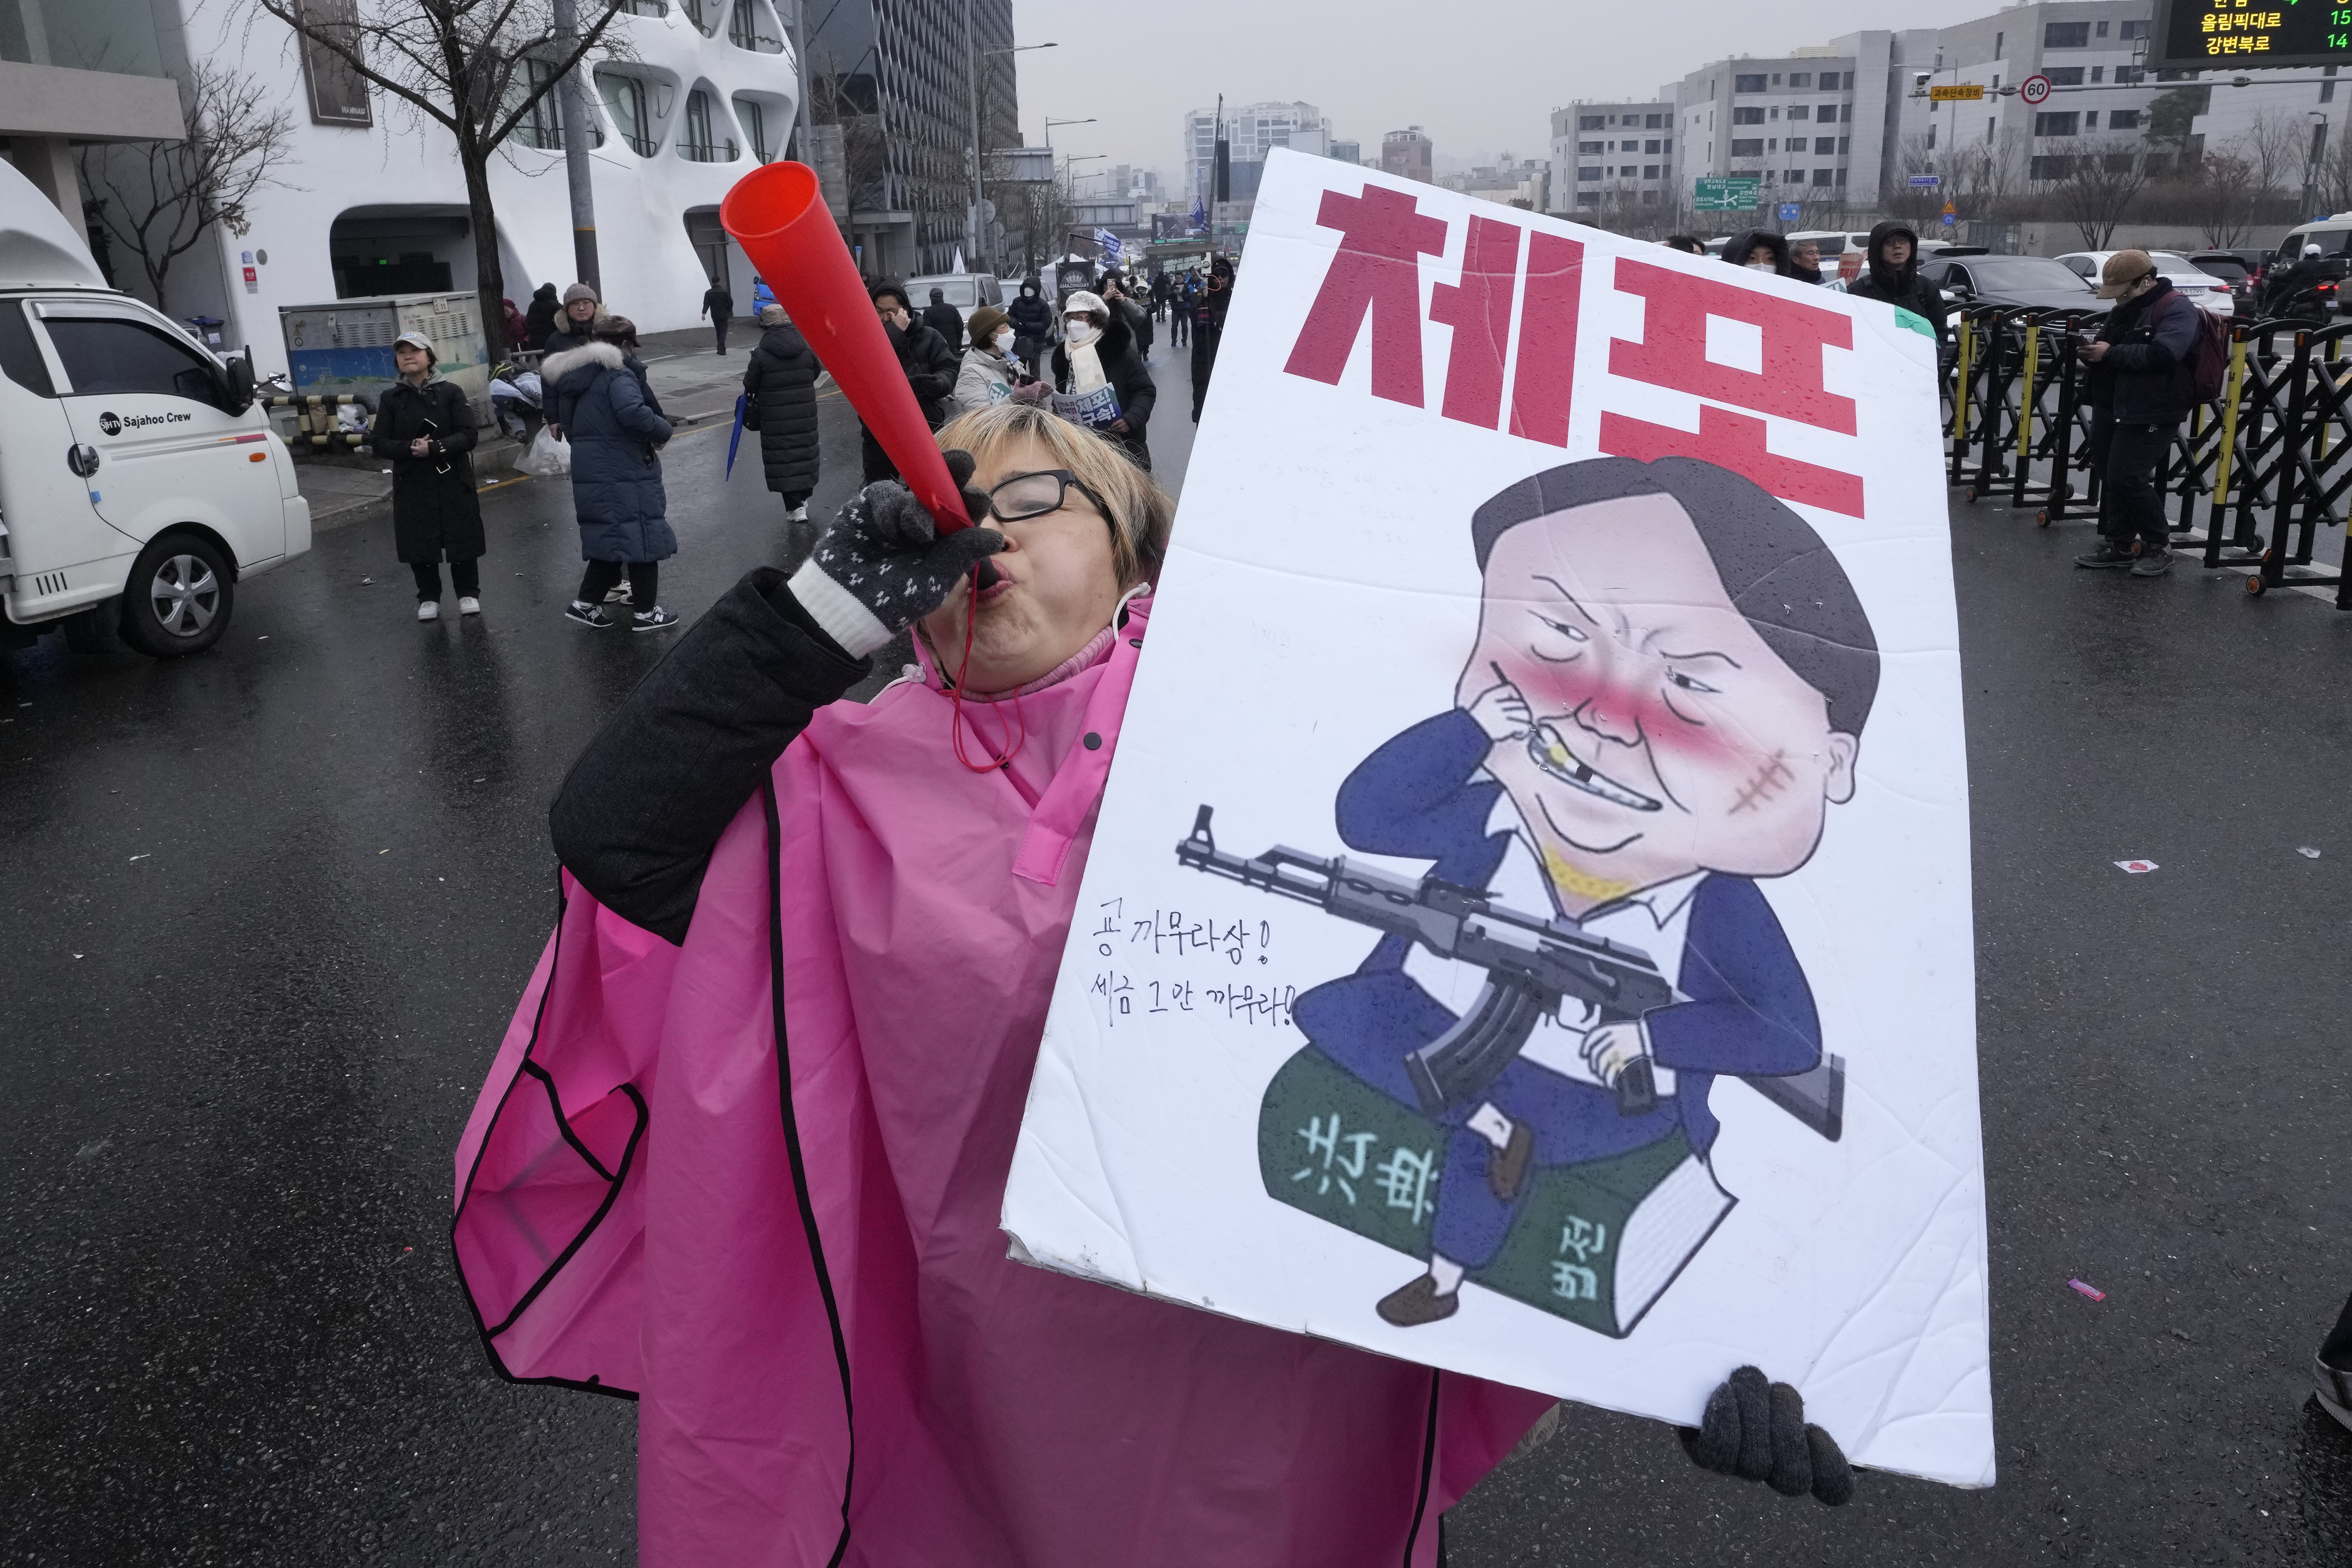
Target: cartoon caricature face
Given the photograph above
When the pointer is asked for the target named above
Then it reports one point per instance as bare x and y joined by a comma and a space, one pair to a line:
1659, 734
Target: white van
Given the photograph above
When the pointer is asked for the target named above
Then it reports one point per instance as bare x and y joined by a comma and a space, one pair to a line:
139, 484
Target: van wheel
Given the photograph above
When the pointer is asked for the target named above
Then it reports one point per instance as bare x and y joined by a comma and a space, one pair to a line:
178, 599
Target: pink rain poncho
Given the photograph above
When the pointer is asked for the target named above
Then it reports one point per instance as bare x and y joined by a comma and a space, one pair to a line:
808, 1290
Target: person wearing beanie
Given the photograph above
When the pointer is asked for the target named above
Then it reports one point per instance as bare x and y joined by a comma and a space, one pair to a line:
780, 402
943, 317
1033, 322
1096, 351
575, 327
992, 368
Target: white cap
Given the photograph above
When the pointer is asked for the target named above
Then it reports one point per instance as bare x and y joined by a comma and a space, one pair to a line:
412, 340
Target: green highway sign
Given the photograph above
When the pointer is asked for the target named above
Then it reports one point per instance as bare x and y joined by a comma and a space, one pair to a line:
1719, 194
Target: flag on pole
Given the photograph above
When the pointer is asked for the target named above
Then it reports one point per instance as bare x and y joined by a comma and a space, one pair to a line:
1200, 214
1109, 244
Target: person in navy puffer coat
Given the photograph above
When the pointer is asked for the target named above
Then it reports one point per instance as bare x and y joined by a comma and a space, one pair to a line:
617, 436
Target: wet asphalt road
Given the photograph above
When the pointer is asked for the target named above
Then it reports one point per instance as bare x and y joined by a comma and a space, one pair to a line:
272, 907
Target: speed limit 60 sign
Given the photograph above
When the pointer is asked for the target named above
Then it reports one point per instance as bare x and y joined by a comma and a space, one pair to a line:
2035, 89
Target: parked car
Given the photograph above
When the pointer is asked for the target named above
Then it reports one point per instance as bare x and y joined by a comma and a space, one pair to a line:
2241, 269
140, 483
2034, 281
967, 291
2202, 287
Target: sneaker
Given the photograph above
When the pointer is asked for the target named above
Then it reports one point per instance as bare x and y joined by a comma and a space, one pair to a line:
798, 513
2152, 564
587, 615
428, 609
2108, 553
469, 605
653, 620
618, 594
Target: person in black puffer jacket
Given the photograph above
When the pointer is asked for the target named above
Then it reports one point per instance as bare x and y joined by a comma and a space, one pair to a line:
931, 365
540, 320
2143, 384
1098, 348
1891, 275
780, 387
1756, 246
1033, 322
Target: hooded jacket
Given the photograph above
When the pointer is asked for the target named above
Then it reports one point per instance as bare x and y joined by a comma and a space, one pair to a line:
1124, 369
781, 382
2150, 374
1031, 317
1900, 285
616, 478
540, 320
1740, 246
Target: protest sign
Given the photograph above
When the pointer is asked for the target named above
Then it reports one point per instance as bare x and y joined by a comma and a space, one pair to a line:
1528, 930
1095, 409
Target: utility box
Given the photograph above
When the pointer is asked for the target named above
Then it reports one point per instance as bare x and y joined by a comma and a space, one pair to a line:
346, 346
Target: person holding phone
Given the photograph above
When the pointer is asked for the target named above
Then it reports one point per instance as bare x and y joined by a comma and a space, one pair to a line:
425, 430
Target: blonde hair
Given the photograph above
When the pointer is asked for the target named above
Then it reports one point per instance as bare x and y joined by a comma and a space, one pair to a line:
1140, 510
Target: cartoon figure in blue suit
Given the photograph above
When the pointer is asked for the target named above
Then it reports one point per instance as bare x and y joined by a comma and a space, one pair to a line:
1666, 695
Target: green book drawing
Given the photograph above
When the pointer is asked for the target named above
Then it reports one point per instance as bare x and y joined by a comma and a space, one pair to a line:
1595, 1243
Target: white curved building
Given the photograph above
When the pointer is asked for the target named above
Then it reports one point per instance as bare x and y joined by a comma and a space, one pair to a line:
372, 201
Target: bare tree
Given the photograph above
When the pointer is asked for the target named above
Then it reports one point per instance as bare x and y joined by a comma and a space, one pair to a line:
158, 200
476, 69
2225, 189
2096, 189
2272, 149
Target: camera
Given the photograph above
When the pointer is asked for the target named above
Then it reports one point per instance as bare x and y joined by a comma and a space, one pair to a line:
1921, 78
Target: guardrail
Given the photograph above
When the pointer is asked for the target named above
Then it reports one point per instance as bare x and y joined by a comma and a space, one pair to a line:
2248, 481
316, 426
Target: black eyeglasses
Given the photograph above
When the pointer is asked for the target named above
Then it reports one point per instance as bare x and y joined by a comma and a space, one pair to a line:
1034, 495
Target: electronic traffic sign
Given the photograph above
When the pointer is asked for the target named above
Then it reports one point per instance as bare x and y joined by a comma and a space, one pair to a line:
2210, 35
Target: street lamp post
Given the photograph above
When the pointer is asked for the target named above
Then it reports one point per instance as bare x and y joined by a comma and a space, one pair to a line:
2312, 154
971, 223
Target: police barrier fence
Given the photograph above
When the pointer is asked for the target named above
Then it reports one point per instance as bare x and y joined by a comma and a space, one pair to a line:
2248, 481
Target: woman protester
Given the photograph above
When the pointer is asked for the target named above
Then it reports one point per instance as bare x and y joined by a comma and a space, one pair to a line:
992, 369
1097, 350
790, 1014
780, 386
1765, 251
616, 480
425, 430
1891, 273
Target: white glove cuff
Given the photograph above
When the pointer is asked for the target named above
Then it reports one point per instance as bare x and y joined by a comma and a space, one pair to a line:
834, 608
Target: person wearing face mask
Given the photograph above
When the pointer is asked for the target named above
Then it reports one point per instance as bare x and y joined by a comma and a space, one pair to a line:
1891, 273
1033, 323
1096, 351
929, 361
1761, 250
992, 370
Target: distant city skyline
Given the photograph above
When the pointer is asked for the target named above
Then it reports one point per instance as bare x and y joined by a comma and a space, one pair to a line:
1388, 68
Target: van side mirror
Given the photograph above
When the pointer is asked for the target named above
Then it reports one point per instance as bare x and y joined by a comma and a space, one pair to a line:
237, 383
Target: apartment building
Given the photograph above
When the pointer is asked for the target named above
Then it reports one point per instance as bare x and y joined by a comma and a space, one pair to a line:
2092, 52
1253, 130
1409, 152
1814, 124
1609, 155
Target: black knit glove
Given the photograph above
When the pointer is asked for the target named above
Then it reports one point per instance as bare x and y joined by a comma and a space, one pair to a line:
882, 565
1757, 1430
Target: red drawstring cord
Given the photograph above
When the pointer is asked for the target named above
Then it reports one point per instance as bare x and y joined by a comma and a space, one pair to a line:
1020, 731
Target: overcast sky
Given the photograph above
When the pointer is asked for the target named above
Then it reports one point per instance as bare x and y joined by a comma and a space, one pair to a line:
1479, 76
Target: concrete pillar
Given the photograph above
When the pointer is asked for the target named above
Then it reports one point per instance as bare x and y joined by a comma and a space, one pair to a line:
48, 162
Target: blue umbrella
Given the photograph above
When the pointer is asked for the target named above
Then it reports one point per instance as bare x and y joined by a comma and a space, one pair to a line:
735, 437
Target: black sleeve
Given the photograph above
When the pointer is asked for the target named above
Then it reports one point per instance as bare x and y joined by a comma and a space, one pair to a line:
457, 434
383, 437
644, 806
1138, 395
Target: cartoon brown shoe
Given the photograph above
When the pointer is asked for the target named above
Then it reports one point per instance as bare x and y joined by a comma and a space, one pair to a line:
1507, 1168
1418, 1303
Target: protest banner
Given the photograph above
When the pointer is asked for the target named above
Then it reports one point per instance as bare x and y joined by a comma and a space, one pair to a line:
1528, 927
